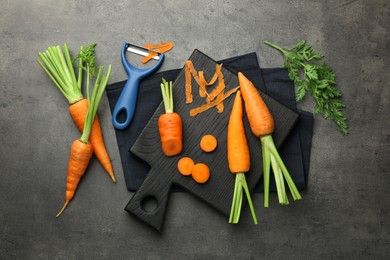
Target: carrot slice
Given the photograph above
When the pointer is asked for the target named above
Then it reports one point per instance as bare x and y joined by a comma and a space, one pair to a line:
215, 102
185, 166
201, 173
208, 143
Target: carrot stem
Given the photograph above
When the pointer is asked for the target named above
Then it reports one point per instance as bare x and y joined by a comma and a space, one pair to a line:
97, 93
275, 47
272, 158
80, 71
167, 94
240, 186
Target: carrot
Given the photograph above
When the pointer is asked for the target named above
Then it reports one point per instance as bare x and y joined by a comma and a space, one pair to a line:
59, 68
169, 124
208, 143
78, 112
185, 166
239, 160
262, 126
81, 151
200, 173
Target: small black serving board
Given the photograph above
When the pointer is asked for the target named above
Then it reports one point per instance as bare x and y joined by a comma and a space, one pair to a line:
218, 191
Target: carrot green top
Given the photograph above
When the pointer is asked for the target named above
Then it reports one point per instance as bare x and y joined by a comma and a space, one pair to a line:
166, 90
58, 66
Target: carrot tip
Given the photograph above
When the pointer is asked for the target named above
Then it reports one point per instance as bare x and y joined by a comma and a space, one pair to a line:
113, 177
59, 213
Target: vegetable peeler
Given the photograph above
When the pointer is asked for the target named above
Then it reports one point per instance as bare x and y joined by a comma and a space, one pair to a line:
128, 98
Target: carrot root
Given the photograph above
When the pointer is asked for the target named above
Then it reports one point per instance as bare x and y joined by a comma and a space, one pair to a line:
63, 208
78, 112
170, 128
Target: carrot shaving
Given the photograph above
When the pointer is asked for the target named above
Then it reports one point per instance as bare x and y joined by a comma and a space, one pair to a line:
219, 89
193, 71
154, 49
202, 85
149, 56
215, 102
160, 45
188, 85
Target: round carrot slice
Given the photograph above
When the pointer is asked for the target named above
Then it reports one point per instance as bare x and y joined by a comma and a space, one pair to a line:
200, 173
208, 143
185, 166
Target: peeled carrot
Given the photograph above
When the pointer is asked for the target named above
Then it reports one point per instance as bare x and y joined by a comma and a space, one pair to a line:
262, 125
78, 112
81, 151
200, 173
169, 124
208, 143
238, 159
185, 166
59, 68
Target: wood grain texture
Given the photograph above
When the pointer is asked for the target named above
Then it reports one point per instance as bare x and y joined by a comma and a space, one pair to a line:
218, 191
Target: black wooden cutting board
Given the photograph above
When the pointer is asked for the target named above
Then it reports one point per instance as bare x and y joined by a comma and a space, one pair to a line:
218, 191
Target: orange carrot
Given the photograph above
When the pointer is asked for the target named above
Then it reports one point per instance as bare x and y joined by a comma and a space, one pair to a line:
238, 159
208, 143
262, 125
169, 124
259, 117
185, 166
200, 173
59, 67
81, 151
78, 112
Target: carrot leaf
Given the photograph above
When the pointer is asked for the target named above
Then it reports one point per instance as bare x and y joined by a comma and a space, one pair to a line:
94, 101
311, 75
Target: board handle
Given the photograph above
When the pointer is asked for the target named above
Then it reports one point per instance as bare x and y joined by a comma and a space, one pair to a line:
150, 201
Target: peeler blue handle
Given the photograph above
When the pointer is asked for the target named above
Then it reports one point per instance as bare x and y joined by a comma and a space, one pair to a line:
128, 98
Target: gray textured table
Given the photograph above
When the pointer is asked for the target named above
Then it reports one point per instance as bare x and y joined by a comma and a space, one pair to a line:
345, 212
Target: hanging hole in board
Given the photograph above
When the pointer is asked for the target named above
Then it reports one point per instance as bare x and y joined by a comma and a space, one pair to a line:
121, 116
149, 204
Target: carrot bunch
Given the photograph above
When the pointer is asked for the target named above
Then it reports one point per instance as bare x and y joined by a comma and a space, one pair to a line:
169, 124
81, 151
238, 159
59, 67
262, 126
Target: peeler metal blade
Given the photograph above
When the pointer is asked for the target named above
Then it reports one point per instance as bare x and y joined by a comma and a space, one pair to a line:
140, 51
